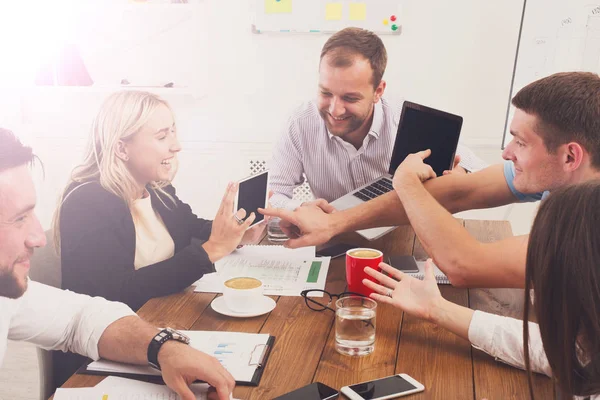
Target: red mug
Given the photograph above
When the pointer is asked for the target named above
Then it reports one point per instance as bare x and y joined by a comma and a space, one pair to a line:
356, 261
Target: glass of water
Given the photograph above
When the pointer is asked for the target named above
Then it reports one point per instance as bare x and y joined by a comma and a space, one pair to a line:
274, 232
355, 325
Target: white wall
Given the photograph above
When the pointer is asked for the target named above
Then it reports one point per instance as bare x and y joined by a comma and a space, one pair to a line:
456, 56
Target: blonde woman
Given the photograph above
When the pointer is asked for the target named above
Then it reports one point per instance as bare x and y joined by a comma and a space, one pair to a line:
122, 231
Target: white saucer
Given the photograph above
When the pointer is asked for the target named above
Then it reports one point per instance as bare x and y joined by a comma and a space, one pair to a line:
263, 306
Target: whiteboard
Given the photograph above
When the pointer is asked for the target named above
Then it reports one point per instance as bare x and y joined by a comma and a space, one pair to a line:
314, 16
556, 36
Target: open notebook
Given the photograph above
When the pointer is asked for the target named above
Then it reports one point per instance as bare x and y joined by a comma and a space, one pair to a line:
440, 277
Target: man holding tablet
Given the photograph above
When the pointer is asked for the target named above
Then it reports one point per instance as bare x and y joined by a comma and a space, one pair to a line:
343, 139
556, 142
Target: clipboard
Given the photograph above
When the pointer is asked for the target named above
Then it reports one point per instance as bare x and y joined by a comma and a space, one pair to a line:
258, 357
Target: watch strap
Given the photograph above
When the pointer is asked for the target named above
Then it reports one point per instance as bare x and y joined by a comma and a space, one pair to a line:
155, 344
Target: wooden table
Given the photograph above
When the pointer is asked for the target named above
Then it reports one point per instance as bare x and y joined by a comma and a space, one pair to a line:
304, 347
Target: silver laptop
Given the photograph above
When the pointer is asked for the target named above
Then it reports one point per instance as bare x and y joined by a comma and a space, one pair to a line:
420, 128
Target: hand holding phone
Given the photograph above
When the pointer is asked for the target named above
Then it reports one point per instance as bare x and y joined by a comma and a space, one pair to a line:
253, 193
382, 389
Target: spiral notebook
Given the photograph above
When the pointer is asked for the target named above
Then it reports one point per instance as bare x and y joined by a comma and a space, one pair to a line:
440, 277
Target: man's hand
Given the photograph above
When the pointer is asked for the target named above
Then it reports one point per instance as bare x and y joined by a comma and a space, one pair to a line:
182, 364
308, 225
456, 169
322, 204
412, 166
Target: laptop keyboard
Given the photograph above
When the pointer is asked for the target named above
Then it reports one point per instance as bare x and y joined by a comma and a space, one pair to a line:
375, 189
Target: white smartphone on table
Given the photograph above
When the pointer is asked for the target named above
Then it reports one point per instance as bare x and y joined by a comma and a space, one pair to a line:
253, 193
385, 388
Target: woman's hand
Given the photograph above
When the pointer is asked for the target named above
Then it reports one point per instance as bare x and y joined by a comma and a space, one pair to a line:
227, 232
416, 297
254, 234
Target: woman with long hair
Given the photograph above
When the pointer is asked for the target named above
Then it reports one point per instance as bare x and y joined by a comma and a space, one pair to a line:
563, 271
122, 232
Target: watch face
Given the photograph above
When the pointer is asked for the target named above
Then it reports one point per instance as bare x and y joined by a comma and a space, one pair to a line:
180, 337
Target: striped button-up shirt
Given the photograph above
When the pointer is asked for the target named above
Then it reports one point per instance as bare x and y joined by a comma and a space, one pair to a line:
332, 167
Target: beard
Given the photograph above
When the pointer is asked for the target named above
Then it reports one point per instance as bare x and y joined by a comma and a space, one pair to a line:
351, 124
10, 284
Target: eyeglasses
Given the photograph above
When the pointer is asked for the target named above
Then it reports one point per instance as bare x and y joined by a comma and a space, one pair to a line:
317, 305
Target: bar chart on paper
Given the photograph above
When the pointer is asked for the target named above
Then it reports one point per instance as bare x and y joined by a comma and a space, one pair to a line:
315, 16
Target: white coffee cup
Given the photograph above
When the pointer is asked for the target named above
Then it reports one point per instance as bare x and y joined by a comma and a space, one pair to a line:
241, 294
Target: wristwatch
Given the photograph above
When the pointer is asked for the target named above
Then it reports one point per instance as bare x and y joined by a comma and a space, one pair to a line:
161, 338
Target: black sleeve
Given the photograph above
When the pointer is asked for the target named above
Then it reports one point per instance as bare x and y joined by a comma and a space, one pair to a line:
98, 252
198, 227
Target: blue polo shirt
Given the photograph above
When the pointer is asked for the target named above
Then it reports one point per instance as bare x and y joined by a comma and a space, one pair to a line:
509, 175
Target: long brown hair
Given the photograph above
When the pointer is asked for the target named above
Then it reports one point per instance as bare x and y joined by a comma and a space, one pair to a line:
563, 269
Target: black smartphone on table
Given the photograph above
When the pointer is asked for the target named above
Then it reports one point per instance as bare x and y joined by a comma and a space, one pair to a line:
314, 391
404, 263
335, 250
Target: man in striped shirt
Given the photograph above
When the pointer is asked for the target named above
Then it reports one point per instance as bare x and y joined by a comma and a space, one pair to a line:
345, 138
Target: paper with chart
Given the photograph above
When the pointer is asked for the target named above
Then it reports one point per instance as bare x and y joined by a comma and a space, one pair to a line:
238, 352
283, 272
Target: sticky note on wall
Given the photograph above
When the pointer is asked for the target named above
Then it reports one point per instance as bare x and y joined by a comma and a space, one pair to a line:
333, 11
278, 6
358, 11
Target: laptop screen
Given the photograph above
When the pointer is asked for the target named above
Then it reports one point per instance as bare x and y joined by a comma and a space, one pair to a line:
423, 128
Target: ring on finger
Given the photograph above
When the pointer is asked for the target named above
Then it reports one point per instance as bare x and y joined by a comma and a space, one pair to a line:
238, 219
389, 293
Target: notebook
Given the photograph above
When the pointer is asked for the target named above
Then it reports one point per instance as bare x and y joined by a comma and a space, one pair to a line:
440, 277
244, 355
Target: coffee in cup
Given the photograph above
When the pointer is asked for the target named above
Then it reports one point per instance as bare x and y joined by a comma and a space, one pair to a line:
364, 253
356, 262
243, 283
241, 294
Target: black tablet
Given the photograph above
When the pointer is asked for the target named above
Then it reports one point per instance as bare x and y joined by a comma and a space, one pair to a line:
421, 128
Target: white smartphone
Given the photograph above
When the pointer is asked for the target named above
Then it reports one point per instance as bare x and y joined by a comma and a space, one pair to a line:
253, 193
384, 388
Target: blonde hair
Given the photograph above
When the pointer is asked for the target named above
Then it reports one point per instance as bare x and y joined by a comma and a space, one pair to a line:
121, 116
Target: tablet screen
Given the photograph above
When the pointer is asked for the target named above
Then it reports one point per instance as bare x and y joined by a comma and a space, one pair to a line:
253, 194
423, 128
